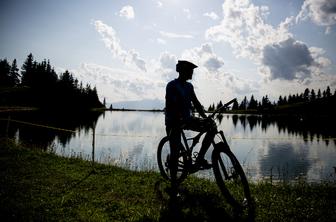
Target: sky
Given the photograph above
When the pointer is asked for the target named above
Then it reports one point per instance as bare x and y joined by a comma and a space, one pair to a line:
129, 49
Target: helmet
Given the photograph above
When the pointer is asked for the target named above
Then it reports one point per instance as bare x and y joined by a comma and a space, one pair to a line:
184, 65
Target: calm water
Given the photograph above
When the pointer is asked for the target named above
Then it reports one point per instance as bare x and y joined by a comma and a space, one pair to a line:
286, 149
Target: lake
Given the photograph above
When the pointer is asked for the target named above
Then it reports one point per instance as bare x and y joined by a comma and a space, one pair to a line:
280, 148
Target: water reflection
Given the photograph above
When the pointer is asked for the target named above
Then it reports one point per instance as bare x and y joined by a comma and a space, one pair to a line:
285, 162
281, 148
321, 128
43, 129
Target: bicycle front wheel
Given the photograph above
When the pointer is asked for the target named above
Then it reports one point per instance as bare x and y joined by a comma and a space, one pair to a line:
165, 161
231, 179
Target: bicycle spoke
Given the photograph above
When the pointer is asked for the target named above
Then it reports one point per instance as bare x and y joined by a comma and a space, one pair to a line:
233, 184
165, 162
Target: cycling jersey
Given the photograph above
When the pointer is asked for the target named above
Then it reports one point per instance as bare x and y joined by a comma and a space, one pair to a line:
180, 96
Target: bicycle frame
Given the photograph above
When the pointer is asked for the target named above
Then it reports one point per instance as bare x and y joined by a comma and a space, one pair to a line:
196, 139
189, 149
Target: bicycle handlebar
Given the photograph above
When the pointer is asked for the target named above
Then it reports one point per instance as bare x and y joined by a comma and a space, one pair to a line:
221, 108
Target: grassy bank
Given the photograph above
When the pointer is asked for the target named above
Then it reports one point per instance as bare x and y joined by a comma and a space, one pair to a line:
36, 186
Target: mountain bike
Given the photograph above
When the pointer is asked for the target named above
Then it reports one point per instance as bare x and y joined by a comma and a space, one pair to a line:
228, 172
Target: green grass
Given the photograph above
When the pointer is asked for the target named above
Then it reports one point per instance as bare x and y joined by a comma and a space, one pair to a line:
39, 186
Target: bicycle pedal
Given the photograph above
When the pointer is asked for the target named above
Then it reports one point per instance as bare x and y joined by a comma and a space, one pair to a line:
196, 167
203, 164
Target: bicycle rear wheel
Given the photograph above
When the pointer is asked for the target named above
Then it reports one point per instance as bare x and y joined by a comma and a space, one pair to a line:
231, 179
164, 161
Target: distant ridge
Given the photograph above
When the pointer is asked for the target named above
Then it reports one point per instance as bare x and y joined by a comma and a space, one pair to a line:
147, 104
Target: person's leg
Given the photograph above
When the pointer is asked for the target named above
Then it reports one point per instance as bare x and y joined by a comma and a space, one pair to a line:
202, 125
174, 142
208, 138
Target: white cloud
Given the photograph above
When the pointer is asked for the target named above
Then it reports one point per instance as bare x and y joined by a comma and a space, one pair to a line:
135, 58
273, 49
242, 87
166, 66
328, 30
213, 63
112, 42
187, 13
222, 86
175, 35
288, 60
168, 60
321, 12
211, 15
317, 54
204, 56
120, 85
127, 12
159, 4
244, 28
161, 41
109, 38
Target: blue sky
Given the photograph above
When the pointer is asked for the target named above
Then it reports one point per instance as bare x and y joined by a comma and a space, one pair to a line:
128, 49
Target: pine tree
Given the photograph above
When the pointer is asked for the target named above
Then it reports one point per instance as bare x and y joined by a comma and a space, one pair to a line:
312, 95
280, 101
5, 73
211, 108
235, 105
243, 104
27, 71
253, 104
265, 103
319, 94
285, 100
219, 105
305, 96
290, 99
328, 93
67, 81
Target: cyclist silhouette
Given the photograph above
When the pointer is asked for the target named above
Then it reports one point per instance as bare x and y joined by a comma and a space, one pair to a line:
180, 97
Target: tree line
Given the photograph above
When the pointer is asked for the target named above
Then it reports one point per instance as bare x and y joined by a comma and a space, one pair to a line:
39, 85
315, 101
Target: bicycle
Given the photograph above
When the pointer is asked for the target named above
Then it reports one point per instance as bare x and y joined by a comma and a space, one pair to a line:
228, 172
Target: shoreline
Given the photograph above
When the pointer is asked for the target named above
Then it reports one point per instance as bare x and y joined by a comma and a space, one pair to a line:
9, 109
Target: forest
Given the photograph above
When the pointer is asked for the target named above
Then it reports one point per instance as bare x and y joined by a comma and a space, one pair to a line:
308, 102
38, 85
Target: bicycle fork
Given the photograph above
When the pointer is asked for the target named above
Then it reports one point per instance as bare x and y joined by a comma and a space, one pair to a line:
226, 145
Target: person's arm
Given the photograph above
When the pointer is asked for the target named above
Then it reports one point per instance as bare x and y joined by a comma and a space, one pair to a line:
197, 104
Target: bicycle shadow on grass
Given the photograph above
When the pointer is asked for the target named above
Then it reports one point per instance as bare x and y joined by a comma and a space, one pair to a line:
182, 204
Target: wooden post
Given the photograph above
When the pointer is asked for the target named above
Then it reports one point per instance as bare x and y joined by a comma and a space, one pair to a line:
8, 124
93, 144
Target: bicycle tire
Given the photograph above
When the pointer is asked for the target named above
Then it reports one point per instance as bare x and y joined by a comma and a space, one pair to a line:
163, 155
231, 179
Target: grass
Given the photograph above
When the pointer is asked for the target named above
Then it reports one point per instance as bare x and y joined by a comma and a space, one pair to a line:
40, 186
